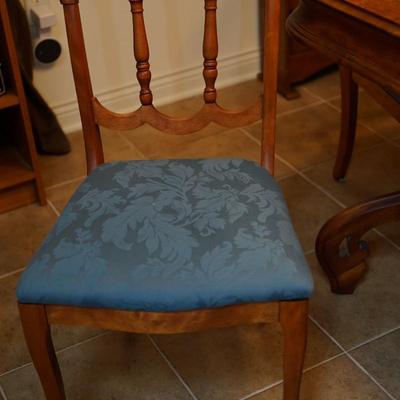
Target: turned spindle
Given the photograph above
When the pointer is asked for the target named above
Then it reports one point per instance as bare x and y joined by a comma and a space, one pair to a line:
141, 51
210, 51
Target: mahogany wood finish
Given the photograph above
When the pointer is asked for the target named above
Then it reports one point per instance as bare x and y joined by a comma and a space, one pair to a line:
350, 83
291, 314
380, 95
165, 322
20, 178
344, 265
371, 55
210, 51
141, 51
297, 62
38, 338
349, 90
293, 318
83, 86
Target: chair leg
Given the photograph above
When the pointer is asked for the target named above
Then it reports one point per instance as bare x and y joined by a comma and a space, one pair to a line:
38, 338
293, 319
349, 90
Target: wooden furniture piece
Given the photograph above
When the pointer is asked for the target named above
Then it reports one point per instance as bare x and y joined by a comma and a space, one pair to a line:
20, 180
373, 54
297, 61
350, 83
286, 294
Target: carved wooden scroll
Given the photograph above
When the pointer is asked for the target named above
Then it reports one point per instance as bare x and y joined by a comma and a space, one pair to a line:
210, 51
141, 50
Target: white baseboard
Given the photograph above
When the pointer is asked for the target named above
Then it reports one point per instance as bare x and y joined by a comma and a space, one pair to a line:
167, 88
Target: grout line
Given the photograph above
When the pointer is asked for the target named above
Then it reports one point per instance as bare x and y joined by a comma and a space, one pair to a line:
305, 177
90, 339
371, 129
10, 371
359, 152
329, 99
272, 385
332, 197
63, 183
324, 362
128, 142
382, 235
371, 377
344, 351
259, 391
297, 109
131, 145
53, 207
173, 369
15, 272
374, 338
3, 393
355, 362
249, 135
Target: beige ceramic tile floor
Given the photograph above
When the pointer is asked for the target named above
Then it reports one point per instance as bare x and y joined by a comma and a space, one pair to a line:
354, 341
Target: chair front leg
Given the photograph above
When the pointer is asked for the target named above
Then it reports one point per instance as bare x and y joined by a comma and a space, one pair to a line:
38, 338
293, 319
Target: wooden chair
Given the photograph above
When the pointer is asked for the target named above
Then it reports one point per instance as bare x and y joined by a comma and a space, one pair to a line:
350, 82
169, 246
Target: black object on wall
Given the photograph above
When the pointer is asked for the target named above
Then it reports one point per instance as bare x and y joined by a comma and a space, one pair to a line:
49, 136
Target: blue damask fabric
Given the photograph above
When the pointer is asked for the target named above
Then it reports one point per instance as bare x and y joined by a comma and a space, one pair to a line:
170, 236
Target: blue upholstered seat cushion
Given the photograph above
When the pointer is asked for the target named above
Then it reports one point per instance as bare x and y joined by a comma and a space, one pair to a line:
168, 236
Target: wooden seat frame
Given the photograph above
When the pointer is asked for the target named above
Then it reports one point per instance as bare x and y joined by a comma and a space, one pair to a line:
37, 318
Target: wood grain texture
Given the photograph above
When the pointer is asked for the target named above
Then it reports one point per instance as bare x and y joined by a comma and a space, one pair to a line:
80, 68
345, 266
211, 112
380, 95
348, 126
293, 317
38, 338
272, 17
164, 322
36, 317
141, 51
22, 133
373, 54
210, 50
297, 62
386, 9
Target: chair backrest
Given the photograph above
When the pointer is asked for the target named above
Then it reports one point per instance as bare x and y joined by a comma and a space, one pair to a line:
93, 114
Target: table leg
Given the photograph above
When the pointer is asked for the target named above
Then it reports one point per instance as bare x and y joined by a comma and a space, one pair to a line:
339, 246
349, 90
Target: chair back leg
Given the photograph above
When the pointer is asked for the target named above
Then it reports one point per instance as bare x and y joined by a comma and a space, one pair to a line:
38, 338
293, 319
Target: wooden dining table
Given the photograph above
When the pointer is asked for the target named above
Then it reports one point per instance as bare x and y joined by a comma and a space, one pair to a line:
362, 36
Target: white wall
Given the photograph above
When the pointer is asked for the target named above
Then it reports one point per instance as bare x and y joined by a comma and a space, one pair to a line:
174, 30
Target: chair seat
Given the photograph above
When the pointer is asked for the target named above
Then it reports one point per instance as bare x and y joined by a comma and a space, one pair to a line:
170, 236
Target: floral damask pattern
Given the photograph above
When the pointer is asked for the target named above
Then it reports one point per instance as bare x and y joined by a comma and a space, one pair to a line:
170, 235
